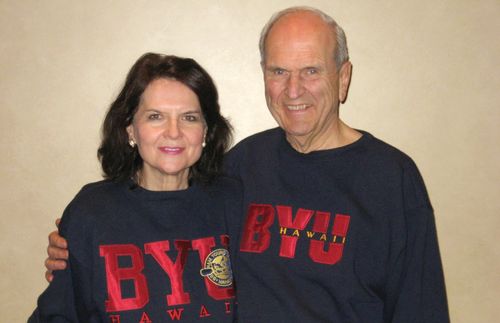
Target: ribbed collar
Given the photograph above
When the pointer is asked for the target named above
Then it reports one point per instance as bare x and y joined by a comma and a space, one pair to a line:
287, 150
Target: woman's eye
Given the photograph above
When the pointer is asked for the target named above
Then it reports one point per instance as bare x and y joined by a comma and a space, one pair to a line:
154, 116
190, 117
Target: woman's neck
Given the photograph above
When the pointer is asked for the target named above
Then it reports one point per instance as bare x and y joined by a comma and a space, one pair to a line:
163, 182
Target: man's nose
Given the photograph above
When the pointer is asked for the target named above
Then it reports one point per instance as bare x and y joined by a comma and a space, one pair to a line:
294, 86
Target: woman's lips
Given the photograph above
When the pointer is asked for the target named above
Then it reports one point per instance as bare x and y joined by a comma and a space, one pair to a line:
171, 150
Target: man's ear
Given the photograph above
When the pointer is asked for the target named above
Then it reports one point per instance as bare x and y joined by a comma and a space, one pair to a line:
344, 80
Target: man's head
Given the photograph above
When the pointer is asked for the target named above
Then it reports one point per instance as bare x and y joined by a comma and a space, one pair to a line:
341, 54
306, 74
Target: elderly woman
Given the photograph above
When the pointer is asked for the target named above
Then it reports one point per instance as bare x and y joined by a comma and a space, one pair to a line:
150, 242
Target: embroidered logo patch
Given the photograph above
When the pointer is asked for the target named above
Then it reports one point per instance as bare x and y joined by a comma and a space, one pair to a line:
217, 268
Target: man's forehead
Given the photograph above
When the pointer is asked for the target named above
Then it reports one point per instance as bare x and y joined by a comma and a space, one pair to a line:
298, 57
297, 23
300, 31
299, 49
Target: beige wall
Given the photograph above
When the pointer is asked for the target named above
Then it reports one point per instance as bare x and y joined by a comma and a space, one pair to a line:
426, 80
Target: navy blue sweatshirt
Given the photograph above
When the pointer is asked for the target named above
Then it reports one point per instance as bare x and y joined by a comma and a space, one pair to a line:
341, 235
143, 256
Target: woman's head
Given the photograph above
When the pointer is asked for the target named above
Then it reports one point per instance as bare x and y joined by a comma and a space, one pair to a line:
161, 96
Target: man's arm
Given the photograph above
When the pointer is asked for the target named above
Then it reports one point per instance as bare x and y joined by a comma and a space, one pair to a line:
420, 295
416, 288
57, 253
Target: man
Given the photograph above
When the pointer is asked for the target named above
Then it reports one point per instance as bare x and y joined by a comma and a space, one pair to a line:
339, 227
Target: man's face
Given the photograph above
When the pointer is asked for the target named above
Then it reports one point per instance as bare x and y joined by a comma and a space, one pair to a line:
303, 86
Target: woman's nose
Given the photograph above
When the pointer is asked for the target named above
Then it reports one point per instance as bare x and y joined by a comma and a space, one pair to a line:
172, 129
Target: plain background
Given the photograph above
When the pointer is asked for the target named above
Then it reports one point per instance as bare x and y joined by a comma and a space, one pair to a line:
426, 79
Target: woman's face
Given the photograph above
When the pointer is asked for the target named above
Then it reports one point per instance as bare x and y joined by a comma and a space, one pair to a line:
169, 130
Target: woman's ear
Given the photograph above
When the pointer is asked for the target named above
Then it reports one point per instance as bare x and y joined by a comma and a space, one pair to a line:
131, 137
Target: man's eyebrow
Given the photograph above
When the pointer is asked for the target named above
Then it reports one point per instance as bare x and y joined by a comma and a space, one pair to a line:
274, 67
316, 67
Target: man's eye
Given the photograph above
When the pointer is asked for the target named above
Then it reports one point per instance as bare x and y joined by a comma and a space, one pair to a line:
279, 71
312, 71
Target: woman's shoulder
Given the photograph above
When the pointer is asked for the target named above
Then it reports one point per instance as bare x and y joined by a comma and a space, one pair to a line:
93, 202
99, 186
98, 190
95, 196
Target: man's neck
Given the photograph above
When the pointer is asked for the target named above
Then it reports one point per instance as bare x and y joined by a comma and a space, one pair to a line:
340, 135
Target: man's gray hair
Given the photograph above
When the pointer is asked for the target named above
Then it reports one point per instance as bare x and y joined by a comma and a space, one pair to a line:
341, 54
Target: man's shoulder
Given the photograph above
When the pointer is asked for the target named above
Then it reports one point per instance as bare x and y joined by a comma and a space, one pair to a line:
383, 154
258, 144
224, 186
266, 137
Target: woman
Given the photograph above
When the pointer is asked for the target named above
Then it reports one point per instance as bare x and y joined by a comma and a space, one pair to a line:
150, 242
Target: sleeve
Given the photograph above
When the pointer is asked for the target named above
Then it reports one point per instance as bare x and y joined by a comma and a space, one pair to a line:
66, 297
56, 303
416, 290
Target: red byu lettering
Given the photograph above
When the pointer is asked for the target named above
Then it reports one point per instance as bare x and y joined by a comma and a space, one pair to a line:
114, 275
335, 249
289, 243
256, 235
173, 270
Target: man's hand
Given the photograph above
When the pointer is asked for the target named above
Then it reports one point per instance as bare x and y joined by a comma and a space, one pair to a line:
58, 253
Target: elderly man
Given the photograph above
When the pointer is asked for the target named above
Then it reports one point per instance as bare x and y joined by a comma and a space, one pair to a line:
339, 227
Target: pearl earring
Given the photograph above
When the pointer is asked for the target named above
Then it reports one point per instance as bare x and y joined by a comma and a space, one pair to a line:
131, 142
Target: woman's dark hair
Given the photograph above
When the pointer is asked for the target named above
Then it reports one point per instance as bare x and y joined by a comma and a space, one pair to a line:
119, 160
